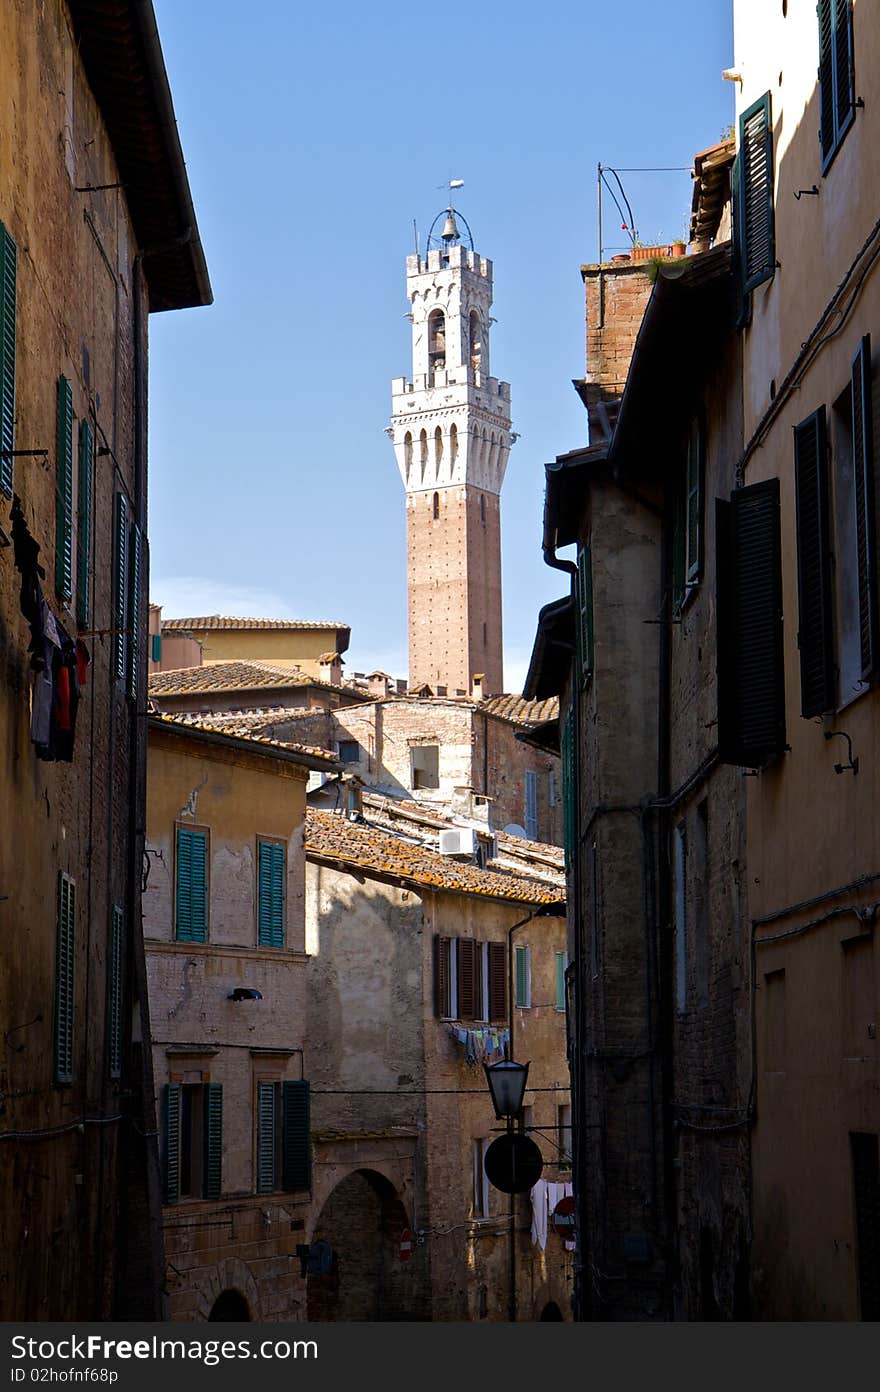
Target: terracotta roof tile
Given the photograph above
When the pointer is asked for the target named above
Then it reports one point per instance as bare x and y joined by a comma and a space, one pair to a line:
225, 676
332, 838
225, 621
228, 726
520, 711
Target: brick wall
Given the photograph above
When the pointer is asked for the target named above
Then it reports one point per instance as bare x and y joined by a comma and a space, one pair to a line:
616, 294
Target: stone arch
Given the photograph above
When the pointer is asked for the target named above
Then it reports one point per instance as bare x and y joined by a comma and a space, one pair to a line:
232, 1274
475, 345
551, 1311
362, 1219
438, 448
230, 1307
453, 443
436, 343
407, 452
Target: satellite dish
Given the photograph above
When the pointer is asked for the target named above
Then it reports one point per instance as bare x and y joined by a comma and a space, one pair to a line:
514, 829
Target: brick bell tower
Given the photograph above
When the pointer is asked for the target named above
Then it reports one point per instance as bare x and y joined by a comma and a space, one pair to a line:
450, 426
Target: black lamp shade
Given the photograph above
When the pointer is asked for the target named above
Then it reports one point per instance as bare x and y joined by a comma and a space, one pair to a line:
507, 1084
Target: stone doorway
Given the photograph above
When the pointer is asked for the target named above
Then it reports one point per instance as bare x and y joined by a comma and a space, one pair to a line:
362, 1221
230, 1306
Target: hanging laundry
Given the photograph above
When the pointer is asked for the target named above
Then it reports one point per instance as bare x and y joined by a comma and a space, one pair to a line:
538, 1196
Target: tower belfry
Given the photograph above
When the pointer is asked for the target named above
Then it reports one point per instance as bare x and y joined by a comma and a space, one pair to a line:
450, 426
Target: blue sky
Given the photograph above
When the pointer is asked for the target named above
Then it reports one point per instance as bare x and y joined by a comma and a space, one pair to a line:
313, 136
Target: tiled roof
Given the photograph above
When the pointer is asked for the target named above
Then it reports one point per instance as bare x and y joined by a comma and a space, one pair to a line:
332, 838
520, 711
230, 728
225, 676
226, 621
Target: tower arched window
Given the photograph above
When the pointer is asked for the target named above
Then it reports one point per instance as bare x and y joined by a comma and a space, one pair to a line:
435, 506
476, 345
423, 448
407, 452
483, 508
436, 342
438, 447
453, 442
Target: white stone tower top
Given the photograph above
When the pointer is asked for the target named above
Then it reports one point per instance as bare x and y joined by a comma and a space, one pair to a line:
450, 421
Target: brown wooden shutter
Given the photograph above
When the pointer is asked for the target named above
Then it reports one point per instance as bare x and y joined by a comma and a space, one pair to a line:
466, 975
815, 631
441, 976
863, 488
497, 981
751, 689
478, 981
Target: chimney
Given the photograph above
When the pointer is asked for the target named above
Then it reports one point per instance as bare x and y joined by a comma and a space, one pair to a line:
330, 668
477, 686
378, 683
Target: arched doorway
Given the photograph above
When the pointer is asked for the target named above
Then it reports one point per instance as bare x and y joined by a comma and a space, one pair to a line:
551, 1311
362, 1221
231, 1307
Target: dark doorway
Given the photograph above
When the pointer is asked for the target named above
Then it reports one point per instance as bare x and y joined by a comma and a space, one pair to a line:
551, 1311
362, 1221
230, 1306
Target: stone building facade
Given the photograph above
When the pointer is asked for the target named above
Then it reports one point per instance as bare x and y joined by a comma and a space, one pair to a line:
402, 1120
97, 231
450, 427
287, 643
224, 927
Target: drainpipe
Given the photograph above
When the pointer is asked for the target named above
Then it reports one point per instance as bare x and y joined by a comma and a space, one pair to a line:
512, 1200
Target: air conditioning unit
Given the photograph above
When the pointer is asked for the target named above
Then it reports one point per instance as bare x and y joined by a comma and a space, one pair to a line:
460, 842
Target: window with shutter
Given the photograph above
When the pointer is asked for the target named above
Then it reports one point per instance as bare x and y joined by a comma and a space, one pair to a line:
756, 240
297, 1147
271, 856
693, 501
837, 94
114, 991
584, 602
266, 1136
191, 897
863, 493
213, 1147
134, 611
64, 491
65, 950
815, 626
84, 526
523, 975
171, 1142
531, 804
751, 689
442, 977
120, 585
497, 967
561, 964
8, 271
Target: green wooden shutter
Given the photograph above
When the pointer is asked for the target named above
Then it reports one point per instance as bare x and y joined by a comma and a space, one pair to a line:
561, 963
156, 647
8, 258
521, 965
751, 689
134, 610
65, 948
171, 1142
84, 526
120, 585
863, 491
191, 900
270, 894
757, 237
694, 506
213, 1185
836, 75
265, 1137
584, 602
815, 628
297, 1137
64, 490
114, 992
569, 788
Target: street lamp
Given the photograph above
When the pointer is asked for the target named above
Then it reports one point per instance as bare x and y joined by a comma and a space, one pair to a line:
507, 1085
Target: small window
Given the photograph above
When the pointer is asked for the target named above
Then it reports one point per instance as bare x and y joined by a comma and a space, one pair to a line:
425, 766
476, 346
191, 886
438, 447
561, 964
349, 751
483, 508
481, 1180
530, 806
435, 507
192, 1141
453, 442
754, 211
815, 618
584, 602
436, 342
283, 1140
156, 647
523, 977
837, 93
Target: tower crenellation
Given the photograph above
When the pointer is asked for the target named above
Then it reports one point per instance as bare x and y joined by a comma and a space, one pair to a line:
450, 428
